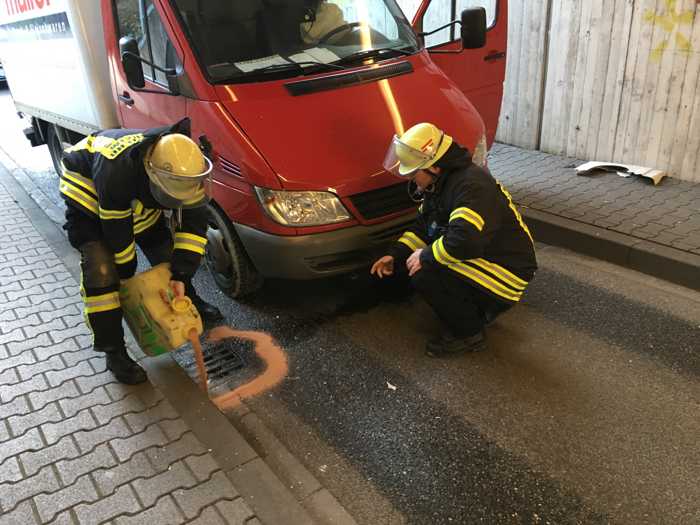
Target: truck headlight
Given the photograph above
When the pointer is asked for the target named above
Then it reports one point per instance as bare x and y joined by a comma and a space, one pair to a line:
302, 208
480, 152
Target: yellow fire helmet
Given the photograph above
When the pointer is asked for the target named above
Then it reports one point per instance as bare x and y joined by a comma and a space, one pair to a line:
417, 149
179, 173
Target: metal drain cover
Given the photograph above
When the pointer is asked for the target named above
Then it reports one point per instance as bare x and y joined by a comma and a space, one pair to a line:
230, 363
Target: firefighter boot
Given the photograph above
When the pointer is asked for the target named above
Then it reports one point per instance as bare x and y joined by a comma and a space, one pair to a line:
211, 315
449, 345
125, 369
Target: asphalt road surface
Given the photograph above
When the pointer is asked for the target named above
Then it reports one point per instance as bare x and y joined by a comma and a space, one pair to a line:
584, 409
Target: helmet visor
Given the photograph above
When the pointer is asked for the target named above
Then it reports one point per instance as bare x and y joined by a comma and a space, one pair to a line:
404, 161
180, 191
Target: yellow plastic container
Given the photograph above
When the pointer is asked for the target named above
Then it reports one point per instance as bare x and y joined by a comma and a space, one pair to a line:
158, 327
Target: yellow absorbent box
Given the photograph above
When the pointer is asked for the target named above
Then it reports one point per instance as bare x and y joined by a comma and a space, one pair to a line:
158, 326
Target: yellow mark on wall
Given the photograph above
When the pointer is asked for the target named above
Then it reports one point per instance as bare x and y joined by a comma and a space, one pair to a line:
671, 23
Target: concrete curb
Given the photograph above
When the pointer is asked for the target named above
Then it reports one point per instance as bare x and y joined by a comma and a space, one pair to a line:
317, 500
269, 498
654, 259
273, 482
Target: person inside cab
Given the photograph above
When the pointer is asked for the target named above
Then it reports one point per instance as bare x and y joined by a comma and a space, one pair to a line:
323, 18
469, 253
116, 185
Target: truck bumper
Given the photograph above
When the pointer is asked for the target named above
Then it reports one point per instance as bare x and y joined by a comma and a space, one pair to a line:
322, 254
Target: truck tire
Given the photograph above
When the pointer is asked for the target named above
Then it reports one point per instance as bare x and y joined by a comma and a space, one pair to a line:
53, 141
226, 258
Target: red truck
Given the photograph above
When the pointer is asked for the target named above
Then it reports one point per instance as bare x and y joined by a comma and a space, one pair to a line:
298, 100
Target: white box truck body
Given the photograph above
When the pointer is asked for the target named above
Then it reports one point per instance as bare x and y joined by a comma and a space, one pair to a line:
53, 52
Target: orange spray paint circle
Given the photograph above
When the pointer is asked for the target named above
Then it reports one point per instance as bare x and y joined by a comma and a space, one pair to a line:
275, 359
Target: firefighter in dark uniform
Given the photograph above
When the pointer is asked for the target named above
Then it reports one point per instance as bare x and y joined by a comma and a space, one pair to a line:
469, 253
116, 185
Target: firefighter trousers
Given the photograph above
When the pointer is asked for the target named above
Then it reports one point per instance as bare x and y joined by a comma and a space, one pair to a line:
100, 280
461, 306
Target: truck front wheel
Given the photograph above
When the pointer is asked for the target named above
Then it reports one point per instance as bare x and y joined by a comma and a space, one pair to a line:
226, 258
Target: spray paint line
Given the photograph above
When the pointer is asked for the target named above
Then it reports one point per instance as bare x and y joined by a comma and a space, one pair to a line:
274, 357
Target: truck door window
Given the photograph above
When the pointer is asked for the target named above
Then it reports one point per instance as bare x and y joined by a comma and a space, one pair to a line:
409, 7
161, 48
129, 21
140, 19
441, 12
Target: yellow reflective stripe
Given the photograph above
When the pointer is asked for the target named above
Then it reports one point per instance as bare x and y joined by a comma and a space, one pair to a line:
107, 146
77, 178
144, 224
412, 240
102, 303
417, 240
469, 219
191, 242
126, 255
443, 257
138, 207
486, 281
190, 236
144, 214
114, 214
505, 275
91, 299
441, 254
190, 246
468, 215
409, 243
516, 212
79, 196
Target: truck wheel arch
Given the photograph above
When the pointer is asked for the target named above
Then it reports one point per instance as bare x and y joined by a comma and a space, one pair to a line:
226, 257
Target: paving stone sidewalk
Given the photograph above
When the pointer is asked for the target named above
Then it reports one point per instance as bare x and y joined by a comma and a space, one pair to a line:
76, 447
667, 214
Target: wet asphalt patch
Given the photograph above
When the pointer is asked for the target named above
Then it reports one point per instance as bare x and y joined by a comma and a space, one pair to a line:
633, 326
433, 466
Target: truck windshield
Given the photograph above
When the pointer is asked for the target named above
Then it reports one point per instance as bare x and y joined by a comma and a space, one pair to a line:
241, 40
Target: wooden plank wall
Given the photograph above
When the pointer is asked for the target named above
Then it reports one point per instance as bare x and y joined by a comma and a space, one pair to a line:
618, 80
523, 91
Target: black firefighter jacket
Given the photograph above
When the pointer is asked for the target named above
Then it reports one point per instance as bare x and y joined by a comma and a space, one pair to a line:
470, 225
103, 176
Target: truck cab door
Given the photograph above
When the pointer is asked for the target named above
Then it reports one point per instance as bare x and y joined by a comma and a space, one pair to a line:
143, 20
479, 73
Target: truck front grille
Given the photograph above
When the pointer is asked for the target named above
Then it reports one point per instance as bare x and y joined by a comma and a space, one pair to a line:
384, 201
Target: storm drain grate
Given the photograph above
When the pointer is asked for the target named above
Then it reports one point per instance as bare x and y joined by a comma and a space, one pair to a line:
230, 363
223, 359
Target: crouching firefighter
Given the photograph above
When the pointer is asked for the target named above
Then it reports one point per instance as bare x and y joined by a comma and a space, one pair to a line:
116, 185
468, 253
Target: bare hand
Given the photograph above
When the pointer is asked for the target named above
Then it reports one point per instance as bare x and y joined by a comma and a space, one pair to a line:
384, 266
178, 288
413, 263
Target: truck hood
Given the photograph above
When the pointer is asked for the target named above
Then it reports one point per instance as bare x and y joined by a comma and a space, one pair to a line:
336, 140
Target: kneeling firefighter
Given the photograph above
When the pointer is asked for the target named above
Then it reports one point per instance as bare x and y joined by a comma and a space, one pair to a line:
469, 253
116, 185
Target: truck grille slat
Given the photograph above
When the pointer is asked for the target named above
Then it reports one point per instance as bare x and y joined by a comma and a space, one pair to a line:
229, 167
384, 201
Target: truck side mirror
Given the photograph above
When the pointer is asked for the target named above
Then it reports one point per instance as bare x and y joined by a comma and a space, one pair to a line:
474, 28
131, 62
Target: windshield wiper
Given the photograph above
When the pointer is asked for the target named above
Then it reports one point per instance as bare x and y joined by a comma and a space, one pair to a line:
372, 53
295, 66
